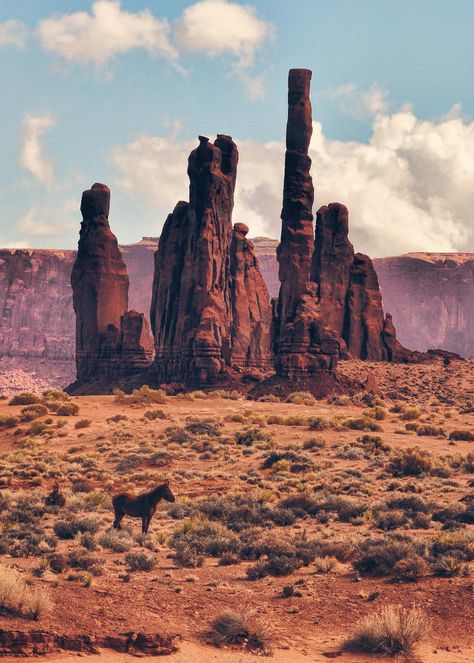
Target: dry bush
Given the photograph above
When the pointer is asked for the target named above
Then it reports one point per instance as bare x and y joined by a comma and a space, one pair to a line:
8, 421
82, 423
412, 461
143, 396
19, 599
392, 630
25, 398
430, 430
411, 568
68, 409
450, 566
230, 627
301, 398
461, 436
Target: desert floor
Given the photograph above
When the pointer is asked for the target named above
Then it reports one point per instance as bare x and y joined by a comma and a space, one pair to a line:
360, 484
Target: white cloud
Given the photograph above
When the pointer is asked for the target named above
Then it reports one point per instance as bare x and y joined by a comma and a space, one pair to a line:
13, 33
32, 157
360, 104
410, 188
221, 27
44, 222
105, 33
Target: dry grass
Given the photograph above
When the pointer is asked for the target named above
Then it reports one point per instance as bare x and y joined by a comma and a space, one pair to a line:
230, 627
19, 599
392, 630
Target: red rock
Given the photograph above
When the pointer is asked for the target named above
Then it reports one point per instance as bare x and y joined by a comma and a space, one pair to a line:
111, 342
251, 311
303, 342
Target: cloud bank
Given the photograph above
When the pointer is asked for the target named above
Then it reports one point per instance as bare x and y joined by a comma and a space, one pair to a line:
410, 188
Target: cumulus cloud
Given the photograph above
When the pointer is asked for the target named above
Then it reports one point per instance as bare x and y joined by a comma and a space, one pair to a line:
33, 157
220, 28
360, 104
13, 33
106, 32
410, 188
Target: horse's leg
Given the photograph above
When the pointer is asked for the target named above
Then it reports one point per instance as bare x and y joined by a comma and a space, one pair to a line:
118, 519
144, 524
148, 521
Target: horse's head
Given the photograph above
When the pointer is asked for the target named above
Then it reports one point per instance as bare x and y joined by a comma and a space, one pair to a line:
166, 493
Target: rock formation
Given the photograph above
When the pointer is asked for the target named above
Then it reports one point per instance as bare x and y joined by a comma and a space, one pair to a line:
430, 298
191, 308
251, 313
303, 343
210, 307
110, 341
347, 286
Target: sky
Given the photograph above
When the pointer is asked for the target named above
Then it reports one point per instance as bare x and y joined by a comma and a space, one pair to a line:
117, 92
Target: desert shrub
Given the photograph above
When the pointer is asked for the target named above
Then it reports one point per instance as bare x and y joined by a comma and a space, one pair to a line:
55, 395
297, 462
429, 429
269, 398
57, 562
388, 520
68, 409
460, 544
116, 418
324, 564
377, 412
240, 512
117, 540
468, 464
340, 401
372, 444
160, 459
140, 561
230, 395
276, 565
203, 428
412, 461
412, 426
82, 423
81, 486
314, 443
197, 537
145, 395
410, 505
462, 435
362, 423
391, 630
318, 423
450, 565
68, 529
379, 556
8, 421
409, 413
301, 398
37, 428
410, 568
25, 398
79, 559
151, 415
19, 599
230, 627
247, 437
30, 412
178, 435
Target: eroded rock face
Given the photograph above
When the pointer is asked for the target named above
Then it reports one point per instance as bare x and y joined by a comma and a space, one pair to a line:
251, 312
430, 298
99, 283
302, 341
348, 289
191, 312
110, 341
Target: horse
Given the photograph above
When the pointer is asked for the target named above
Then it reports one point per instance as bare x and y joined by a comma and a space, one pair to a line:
140, 506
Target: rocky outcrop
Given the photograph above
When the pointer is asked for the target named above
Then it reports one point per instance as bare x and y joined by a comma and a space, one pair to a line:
210, 309
41, 643
430, 298
191, 311
347, 286
251, 313
302, 341
111, 341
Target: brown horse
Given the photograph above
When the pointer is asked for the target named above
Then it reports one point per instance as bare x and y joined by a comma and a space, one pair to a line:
140, 506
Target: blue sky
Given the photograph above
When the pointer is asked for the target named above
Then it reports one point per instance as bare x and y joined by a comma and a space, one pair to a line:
117, 92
